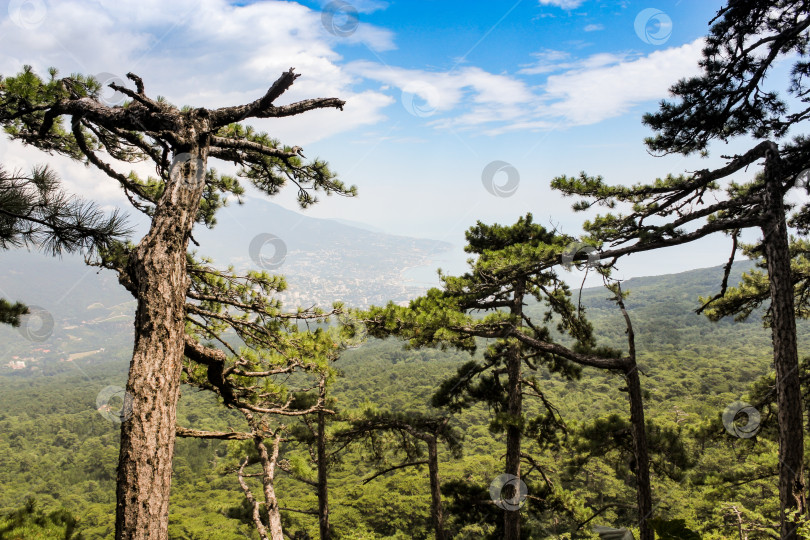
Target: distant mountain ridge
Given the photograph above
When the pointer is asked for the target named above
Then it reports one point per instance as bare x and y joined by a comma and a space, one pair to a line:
324, 260
229, 240
357, 225
87, 311
90, 310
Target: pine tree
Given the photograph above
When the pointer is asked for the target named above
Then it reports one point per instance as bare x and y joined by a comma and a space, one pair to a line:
271, 367
179, 142
36, 212
730, 99
407, 428
502, 279
753, 291
257, 382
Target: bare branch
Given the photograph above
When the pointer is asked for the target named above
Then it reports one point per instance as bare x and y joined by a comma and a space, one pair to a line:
223, 435
254, 504
250, 146
138, 82
726, 273
229, 115
394, 468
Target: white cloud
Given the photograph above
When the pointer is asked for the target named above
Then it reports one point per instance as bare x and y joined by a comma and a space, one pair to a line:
192, 51
196, 52
549, 61
594, 27
443, 91
564, 4
576, 91
211, 53
592, 94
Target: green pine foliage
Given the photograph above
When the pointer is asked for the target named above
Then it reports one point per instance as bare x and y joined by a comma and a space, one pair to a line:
36, 213
56, 447
31, 523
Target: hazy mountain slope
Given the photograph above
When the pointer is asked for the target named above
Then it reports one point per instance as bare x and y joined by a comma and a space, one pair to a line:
86, 310
324, 259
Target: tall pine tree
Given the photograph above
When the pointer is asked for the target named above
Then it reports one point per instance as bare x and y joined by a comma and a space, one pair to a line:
179, 143
733, 97
503, 278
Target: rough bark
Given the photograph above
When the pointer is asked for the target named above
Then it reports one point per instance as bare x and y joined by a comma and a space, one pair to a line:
511, 517
158, 268
785, 353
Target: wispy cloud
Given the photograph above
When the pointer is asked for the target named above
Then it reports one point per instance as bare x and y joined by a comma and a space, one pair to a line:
564, 4
549, 61
203, 53
577, 91
594, 27
362, 6
592, 94
444, 91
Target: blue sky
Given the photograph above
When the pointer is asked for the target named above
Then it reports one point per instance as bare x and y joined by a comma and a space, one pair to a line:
436, 91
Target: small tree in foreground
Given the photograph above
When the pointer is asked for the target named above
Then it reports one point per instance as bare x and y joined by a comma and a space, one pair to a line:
406, 433
272, 366
268, 390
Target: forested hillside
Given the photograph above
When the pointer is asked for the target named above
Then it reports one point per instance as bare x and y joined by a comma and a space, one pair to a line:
58, 450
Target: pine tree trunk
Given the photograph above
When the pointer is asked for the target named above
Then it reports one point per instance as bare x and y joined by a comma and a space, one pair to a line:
511, 517
323, 488
643, 489
158, 268
436, 513
640, 445
785, 353
269, 461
